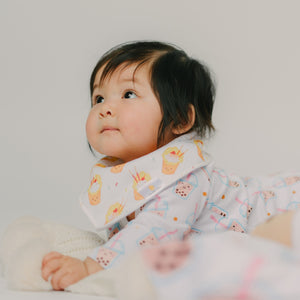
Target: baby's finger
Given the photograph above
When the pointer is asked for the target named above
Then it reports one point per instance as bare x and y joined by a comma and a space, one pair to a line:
50, 267
50, 256
67, 280
58, 278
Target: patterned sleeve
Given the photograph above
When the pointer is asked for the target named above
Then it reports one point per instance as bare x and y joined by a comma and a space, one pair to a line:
168, 216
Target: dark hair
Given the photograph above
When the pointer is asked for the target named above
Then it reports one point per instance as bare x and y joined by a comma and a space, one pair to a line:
176, 79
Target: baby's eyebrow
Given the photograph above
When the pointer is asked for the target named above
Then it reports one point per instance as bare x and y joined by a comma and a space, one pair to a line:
95, 86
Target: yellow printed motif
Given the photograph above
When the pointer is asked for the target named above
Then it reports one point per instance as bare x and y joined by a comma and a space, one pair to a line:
94, 191
198, 144
139, 180
172, 157
114, 211
117, 169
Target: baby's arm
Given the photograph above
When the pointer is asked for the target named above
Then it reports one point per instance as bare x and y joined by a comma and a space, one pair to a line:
66, 270
167, 216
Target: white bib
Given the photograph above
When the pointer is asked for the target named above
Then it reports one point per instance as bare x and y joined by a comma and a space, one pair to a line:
117, 189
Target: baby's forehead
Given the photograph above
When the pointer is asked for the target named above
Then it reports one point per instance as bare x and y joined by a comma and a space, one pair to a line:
125, 72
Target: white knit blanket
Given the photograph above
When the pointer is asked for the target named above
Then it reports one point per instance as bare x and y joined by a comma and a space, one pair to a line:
28, 239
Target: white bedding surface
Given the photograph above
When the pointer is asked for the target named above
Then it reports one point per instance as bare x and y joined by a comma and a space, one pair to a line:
6, 294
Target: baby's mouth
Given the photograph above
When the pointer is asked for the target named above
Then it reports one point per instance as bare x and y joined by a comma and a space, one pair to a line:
108, 129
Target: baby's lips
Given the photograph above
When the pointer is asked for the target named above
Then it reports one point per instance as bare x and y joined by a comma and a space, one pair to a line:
108, 128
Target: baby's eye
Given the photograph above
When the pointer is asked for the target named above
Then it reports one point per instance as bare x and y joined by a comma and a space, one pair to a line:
130, 95
99, 99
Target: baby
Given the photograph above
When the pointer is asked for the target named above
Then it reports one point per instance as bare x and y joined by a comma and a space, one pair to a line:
151, 108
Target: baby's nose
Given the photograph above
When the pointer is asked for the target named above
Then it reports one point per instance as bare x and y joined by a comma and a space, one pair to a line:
105, 112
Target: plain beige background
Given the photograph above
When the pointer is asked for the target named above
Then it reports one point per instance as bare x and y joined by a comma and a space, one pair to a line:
48, 50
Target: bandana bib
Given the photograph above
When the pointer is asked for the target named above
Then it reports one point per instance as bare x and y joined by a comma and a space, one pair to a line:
117, 189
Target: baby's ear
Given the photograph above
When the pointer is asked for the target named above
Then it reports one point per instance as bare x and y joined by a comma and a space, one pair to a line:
183, 128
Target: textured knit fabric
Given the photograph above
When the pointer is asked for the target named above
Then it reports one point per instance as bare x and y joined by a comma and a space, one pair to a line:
28, 239
176, 192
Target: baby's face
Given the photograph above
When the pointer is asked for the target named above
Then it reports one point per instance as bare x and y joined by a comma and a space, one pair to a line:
126, 115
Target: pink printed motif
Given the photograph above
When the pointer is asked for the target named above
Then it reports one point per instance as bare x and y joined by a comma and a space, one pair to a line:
191, 231
245, 208
249, 277
154, 237
190, 220
183, 189
204, 170
224, 178
187, 233
217, 209
266, 195
159, 213
149, 240
159, 207
185, 186
234, 183
287, 181
233, 225
292, 179
107, 255
168, 257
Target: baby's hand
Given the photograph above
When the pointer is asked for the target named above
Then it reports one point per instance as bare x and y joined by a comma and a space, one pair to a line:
66, 270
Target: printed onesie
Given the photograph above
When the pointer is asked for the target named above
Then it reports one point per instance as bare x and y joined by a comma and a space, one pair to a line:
177, 192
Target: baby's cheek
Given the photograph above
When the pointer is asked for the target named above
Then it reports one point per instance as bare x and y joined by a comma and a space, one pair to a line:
90, 128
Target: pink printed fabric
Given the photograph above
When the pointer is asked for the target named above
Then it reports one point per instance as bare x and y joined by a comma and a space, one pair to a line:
222, 266
177, 192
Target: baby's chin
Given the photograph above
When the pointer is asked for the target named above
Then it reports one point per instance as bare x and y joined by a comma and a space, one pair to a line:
126, 153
